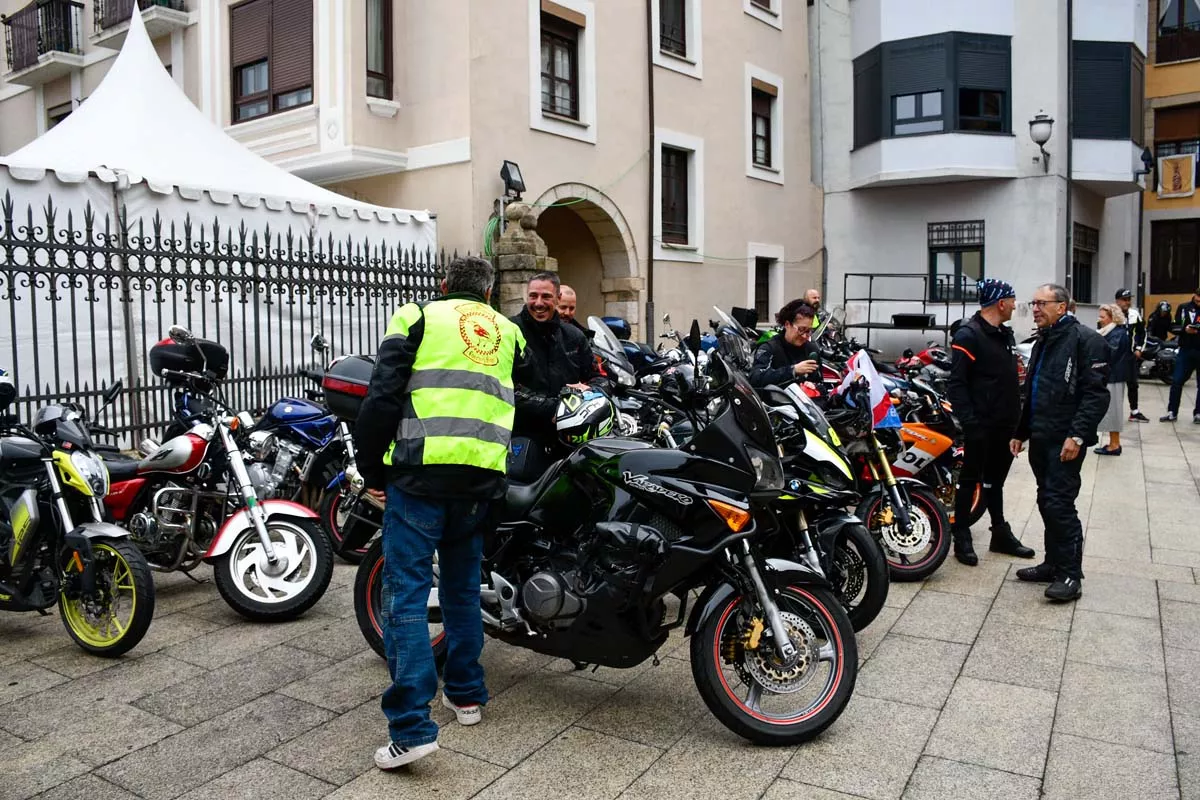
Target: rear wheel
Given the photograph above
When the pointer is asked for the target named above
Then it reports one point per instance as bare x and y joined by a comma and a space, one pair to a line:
266, 592
368, 606
756, 695
915, 554
111, 620
338, 513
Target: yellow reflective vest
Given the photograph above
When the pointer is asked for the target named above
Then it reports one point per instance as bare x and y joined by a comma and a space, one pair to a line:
459, 405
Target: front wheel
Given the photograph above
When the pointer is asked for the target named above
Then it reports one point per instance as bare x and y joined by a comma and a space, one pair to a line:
266, 592
757, 696
368, 606
915, 554
860, 576
110, 621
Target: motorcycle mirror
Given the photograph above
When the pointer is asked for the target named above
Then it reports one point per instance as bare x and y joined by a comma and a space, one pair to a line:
693, 339
667, 320
180, 335
318, 343
113, 391
908, 353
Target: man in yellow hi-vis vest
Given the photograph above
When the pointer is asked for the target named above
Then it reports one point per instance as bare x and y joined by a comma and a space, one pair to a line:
434, 429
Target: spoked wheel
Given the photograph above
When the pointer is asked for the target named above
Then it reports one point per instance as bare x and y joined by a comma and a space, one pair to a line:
339, 511
915, 554
368, 605
860, 576
760, 697
260, 590
111, 620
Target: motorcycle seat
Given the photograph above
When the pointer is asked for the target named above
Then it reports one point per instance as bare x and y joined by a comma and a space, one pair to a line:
122, 469
520, 497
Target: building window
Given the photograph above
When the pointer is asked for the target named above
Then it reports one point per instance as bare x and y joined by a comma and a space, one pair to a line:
57, 114
1178, 30
762, 286
672, 27
379, 49
981, 110
761, 107
1174, 256
675, 195
560, 67
1177, 131
271, 49
1083, 260
1109, 90
917, 113
955, 260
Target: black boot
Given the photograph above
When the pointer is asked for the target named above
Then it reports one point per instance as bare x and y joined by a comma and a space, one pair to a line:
1003, 541
964, 548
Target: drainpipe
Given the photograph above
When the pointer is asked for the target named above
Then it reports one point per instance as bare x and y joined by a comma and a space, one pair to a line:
650, 209
1069, 271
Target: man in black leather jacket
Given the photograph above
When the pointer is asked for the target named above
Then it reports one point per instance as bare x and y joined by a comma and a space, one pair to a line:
985, 394
557, 355
1187, 319
1066, 395
790, 354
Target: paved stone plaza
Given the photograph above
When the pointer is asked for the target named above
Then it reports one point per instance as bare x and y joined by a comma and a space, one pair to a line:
972, 687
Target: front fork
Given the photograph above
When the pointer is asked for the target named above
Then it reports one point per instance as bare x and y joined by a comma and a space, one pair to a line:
783, 642
238, 467
891, 486
810, 551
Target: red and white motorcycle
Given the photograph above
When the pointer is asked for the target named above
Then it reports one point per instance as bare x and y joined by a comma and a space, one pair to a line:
191, 500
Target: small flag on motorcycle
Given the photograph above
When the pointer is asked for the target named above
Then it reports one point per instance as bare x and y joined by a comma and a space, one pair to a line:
861, 366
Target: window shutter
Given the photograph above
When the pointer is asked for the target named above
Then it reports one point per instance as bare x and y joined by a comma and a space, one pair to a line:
982, 67
868, 92
564, 13
249, 32
1102, 90
1177, 124
916, 66
760, 104
291, 45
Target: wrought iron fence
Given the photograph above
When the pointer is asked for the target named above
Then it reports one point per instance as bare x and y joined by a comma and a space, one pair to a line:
110, 13
85, 298
41, 27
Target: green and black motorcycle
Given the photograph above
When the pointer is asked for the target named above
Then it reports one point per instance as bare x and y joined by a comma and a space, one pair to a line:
54, 546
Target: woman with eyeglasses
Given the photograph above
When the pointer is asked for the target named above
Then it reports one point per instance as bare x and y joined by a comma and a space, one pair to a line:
791, 355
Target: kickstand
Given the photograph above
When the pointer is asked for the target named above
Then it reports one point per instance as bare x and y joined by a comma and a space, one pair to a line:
43, 612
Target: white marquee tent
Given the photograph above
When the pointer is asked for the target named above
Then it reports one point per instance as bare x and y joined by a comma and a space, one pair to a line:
138, 146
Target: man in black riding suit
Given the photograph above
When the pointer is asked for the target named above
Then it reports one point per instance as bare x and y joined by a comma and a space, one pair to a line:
557, 356
1187, 322
1137, 337
1158, 324
985, 393
791, 354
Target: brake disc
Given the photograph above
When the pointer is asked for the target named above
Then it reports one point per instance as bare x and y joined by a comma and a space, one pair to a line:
764, 666
851, 568
918, 537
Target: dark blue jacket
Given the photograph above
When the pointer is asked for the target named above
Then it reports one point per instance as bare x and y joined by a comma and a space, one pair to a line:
1120, 360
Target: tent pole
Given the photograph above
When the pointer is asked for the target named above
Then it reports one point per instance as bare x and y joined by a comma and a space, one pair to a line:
131, 354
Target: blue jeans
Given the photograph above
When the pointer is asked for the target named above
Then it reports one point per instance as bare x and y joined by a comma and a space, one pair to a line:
413, 527
1186, 362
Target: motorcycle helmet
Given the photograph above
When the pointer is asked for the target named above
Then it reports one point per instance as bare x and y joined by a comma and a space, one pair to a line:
583, 416
8, 392
1164, 307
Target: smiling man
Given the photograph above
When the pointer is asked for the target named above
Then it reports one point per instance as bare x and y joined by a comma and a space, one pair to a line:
1066, 395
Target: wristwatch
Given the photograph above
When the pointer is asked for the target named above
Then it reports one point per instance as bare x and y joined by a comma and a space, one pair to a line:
1077, 440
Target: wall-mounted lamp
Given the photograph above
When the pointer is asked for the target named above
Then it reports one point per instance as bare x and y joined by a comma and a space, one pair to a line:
1040, 128
514, 184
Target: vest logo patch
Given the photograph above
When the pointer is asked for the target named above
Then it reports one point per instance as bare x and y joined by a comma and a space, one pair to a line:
479, 333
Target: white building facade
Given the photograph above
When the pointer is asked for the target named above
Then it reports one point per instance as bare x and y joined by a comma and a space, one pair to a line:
922, 112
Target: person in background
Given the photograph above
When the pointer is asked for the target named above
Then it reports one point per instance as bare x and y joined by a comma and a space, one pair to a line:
1136, 328
566, 309
1114, 329
1071, 307
1158, 324
1065, 398
434, 431
813, 298
791, 354
985, 392
1187, 319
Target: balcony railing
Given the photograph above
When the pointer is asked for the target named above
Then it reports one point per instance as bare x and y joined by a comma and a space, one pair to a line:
1178, 43
44, 26
110, 13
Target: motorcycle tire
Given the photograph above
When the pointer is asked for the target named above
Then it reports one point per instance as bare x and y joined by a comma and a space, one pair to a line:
240, 596
859, 563
978, 506
712, 643
368, 607
129, 572
333, 521
923, 502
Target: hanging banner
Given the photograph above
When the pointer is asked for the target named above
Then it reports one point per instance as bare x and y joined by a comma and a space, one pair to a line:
1177, 175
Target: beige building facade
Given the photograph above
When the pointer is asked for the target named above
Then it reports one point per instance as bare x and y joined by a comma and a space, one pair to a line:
413, 103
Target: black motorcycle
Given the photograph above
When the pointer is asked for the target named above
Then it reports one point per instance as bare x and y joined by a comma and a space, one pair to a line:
585, 557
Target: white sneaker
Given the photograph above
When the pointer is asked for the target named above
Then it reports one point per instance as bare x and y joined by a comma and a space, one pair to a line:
467, 715
395, 755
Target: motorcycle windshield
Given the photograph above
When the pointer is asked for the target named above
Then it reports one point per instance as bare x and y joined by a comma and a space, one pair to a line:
607, 343
733, 325
813, 416
831, 325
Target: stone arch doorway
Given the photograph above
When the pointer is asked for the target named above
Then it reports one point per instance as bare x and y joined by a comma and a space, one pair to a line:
588, 235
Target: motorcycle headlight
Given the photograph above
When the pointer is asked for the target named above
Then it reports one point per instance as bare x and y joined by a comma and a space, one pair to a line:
768, 470
624, 376
92, 470
262, 444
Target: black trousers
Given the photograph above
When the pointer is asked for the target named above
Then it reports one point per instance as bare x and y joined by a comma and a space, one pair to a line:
986, 460
1131, 386
1058, 485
